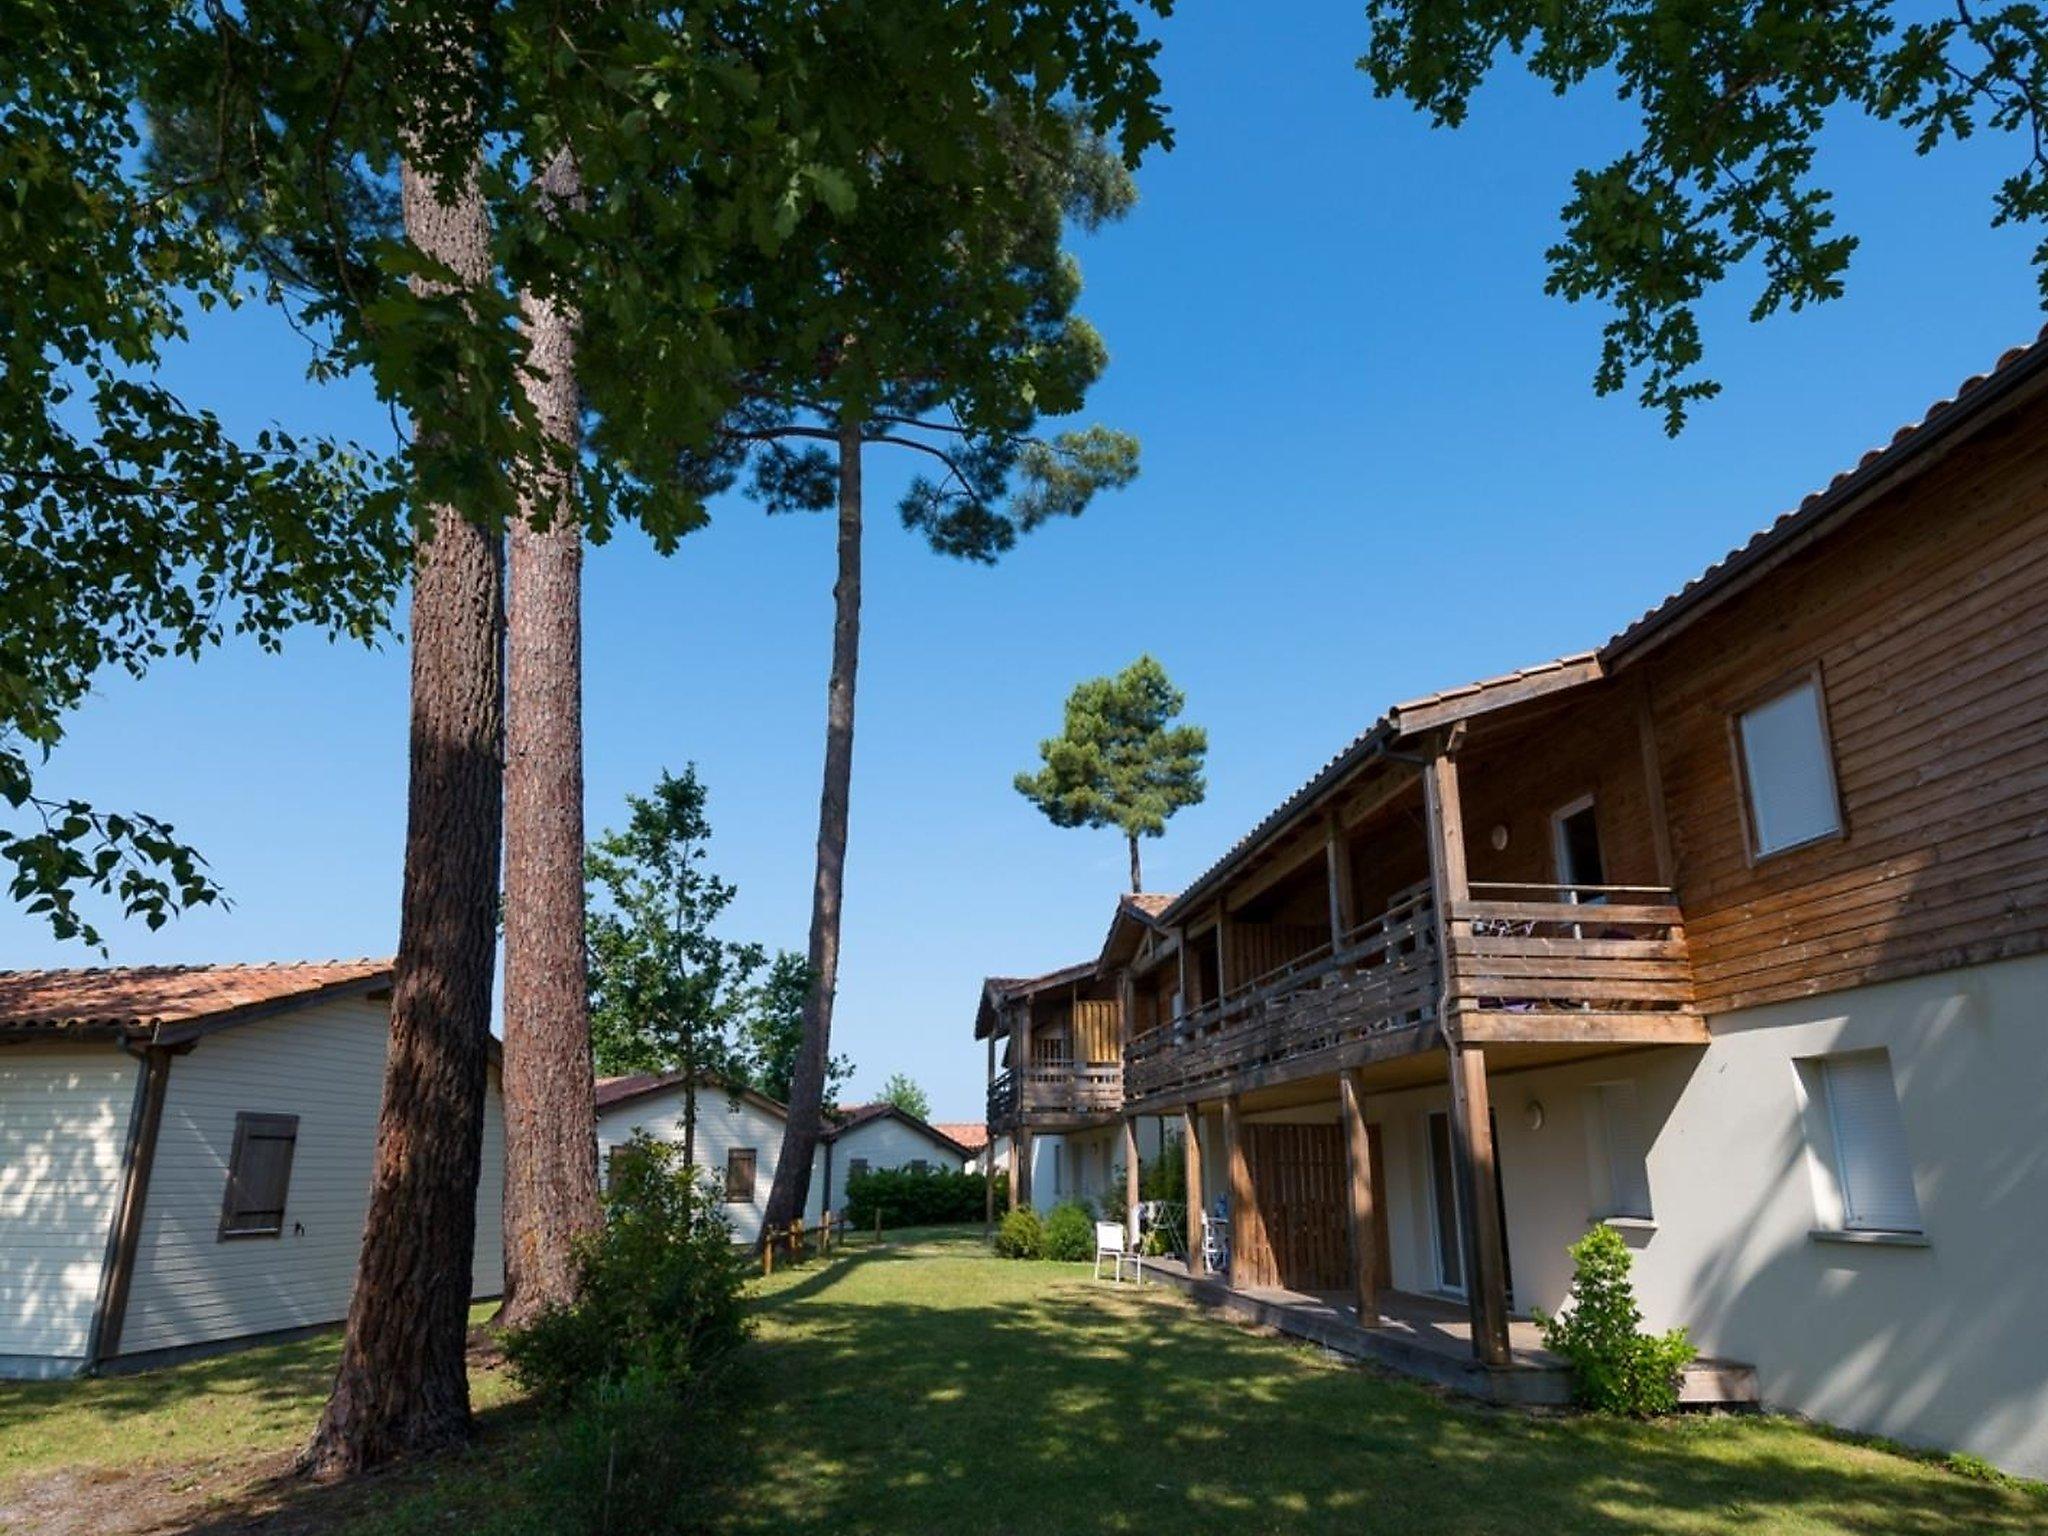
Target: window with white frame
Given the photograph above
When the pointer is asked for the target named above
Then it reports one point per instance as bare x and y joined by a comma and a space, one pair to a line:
1620, 1166
1866, 1142
1788, 774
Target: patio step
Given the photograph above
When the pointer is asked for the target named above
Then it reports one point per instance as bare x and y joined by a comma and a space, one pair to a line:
1533, 1380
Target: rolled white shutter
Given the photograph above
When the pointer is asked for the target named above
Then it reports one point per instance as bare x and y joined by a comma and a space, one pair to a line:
1870, 1144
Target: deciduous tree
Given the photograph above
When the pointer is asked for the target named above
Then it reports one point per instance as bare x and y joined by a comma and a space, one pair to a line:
1731, 101
900, 1091
667, 991
1120, 761
774, 1032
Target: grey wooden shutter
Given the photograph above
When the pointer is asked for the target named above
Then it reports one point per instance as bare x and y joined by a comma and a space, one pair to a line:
739, 1176
259, 1175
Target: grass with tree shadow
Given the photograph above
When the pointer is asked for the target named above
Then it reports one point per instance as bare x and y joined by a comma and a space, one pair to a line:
924, 1386
928, 1387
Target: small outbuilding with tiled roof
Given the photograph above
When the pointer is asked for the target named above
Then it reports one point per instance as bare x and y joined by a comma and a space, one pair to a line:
187, 1155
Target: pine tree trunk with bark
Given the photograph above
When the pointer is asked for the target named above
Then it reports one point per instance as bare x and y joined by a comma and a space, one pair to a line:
402, 1386
1137, 874
792, 1186
551, 1196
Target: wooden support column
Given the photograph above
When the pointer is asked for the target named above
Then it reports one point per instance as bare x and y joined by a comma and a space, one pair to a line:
125, 1242
988, 1152
1191, 1148
1014, 1171
1337, 859
1224, 977
1653, 787
1180, 960
1471, 1125
1131, 1177
1472, 1139
1358, 1164
1241, 1196
1020, 1160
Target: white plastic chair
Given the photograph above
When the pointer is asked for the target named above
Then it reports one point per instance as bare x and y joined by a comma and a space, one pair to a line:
1111, 1242
1215, 1244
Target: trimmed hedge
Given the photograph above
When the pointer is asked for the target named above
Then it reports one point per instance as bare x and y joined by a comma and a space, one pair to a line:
906, 1197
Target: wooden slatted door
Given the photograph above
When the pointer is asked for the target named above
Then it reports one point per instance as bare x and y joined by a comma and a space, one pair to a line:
1296, 1236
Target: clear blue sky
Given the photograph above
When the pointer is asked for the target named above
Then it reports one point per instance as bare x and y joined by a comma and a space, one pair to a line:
1373, 466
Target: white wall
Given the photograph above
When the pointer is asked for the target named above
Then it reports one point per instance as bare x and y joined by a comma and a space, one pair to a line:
63, 1128
1942, 1345
325, 1064
885, 1142
1084, 1164
723, 1123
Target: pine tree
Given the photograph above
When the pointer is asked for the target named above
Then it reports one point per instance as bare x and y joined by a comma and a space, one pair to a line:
1120, 761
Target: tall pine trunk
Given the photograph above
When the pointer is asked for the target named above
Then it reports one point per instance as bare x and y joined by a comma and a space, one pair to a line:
550, 1108
1137, 874
402, 1387
786, 1200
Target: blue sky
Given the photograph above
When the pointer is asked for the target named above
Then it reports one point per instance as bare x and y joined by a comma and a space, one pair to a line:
1373, 466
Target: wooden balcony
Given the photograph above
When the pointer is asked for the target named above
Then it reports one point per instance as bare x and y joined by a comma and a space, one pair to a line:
1528, 964
1565, 964
1048, 1095
1382, 980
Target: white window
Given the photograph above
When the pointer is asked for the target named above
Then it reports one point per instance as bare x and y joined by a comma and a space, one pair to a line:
1787, 773
1621, 1175
1872, 1168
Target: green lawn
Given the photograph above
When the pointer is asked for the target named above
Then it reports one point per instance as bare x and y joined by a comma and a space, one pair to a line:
926, 1387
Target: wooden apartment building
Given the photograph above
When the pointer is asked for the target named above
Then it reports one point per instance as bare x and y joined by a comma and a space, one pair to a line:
1730, 933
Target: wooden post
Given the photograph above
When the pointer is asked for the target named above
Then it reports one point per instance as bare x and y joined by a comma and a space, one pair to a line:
1020, 1160
1472, 1133
1012, 1170
988, 1151
1224, 976
768, 1256
878, 1226
1653, 786
1180, 960
1131, 1177
1337, 858
1471, 1125
1358, 1160
1191, 1147
1240, 1173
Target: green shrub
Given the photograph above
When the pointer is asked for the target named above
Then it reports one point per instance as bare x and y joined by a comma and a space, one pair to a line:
1616, 1368
1022, 1235
1166, 1176
1070, 1232
660, 1288
909, 1197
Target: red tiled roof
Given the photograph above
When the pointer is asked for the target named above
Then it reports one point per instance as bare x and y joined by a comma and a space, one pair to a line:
971, 1134
155, 999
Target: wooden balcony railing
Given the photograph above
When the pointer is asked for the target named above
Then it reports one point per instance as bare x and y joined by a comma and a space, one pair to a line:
1529, 963
1055, 1090
1382, 977
1545, 962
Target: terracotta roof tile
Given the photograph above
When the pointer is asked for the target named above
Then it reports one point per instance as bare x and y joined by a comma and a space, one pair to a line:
1977, 393
1818, 505
971, 1134
138, 999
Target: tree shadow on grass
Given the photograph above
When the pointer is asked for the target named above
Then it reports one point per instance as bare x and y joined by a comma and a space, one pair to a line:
1084, 1410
